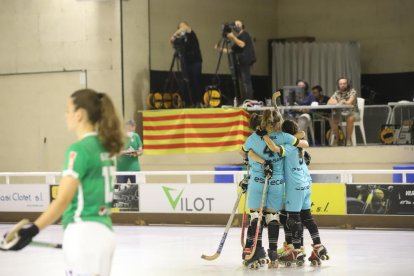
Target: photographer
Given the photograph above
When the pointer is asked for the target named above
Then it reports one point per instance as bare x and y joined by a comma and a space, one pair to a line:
185, 42
245, 56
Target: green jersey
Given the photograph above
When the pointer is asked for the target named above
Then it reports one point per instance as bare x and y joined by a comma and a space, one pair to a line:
128, 163
88, 161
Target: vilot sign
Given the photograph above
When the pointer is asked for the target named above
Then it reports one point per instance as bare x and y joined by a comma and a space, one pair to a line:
187, 198
186, 204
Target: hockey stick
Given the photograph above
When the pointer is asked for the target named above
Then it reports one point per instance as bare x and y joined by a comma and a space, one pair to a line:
223, 239
12, 238
275, 99
244, 222
259, 221
46, 244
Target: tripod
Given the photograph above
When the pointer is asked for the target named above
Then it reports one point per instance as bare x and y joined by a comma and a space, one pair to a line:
183, 84
224, 45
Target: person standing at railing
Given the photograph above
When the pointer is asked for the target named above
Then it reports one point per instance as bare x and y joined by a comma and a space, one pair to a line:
345, 95
85, 190
128, 161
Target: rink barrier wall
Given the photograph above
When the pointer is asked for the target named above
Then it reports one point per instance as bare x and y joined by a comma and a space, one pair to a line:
391, 220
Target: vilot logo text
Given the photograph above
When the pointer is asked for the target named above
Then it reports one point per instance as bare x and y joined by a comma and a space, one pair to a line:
187, 204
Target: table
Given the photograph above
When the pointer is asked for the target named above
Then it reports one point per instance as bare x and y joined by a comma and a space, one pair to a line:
394, 106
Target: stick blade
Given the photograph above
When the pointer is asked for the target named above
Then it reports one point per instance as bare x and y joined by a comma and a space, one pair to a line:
210, 258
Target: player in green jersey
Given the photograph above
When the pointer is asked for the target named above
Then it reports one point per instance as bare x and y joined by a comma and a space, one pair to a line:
85, 191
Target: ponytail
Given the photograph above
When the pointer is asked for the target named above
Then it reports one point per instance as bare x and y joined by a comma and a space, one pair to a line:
101, 113
270, 118
109, 127
254, 121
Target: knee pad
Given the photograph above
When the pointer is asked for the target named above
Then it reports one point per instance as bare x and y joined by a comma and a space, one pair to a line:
254, 216
293, 221
272, 218
306, 217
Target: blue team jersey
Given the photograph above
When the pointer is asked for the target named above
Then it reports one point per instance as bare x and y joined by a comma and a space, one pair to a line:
280, 138
295, 174
306, 170
254, 142
258, 145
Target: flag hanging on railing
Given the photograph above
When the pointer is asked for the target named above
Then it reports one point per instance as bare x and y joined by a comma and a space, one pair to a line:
195, 130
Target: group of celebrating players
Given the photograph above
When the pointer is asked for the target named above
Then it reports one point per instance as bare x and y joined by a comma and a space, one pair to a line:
279, 192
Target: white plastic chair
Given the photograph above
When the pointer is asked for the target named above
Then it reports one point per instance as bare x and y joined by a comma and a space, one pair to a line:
360, 123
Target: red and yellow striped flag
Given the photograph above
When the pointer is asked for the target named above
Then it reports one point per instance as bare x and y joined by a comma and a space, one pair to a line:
195, 130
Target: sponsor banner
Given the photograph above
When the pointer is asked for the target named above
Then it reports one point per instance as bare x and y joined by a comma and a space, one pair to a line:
327, 199
187, 198
391, 199
24, 197
125, 197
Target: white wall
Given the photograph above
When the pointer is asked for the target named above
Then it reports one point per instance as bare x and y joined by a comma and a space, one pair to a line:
383, 27
40, 36
206, 18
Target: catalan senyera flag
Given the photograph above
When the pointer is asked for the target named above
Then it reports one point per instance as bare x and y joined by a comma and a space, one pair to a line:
195, 130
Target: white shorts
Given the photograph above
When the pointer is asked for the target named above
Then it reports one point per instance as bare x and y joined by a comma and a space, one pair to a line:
88, 248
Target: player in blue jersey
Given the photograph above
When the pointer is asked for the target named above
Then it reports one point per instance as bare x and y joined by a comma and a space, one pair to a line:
319, 251
260, 155
298, 183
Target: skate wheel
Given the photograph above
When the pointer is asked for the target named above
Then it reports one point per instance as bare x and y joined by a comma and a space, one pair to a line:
314, 262
273, 264
327, 257
299, 263
324, 257
288, 264
264, 261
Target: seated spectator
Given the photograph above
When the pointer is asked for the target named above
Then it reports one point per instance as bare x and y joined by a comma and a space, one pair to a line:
322, 114
302, 116
320, 98
345, 95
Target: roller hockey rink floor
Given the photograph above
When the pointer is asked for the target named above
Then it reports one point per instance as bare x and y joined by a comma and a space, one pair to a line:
168, 250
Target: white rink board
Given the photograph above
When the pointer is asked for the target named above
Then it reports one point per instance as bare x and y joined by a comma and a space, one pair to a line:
187, 198
24, 197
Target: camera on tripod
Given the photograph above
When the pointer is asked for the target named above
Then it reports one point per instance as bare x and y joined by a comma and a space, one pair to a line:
179, 41
227, 28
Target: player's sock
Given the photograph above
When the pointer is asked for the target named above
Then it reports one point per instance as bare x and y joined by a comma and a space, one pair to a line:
310, 224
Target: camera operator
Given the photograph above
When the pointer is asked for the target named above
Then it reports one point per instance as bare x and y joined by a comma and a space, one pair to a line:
245, 56
185, 42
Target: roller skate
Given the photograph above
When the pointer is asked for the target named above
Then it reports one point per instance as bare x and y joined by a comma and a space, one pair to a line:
292, 256
272, 254
319, 253
259, 258
283, 249
302, 249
